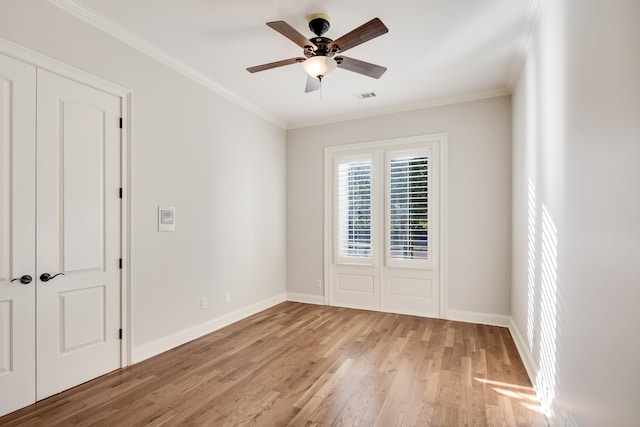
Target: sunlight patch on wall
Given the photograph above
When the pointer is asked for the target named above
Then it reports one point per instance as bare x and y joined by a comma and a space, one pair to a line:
546, 378
531, 268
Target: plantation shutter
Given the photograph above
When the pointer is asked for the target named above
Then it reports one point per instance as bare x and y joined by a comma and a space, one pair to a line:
354, 209
408, 208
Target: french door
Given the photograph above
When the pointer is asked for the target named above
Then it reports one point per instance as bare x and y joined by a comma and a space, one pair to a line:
60, 225
382, 226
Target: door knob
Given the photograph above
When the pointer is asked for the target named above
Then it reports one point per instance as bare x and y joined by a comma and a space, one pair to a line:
45, 277
25, 280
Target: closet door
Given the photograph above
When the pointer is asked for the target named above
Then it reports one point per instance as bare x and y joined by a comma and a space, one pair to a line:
17, 234
78, 234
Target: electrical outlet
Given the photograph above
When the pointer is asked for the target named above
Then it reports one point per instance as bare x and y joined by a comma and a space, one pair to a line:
203, 303
319, 283
227, 297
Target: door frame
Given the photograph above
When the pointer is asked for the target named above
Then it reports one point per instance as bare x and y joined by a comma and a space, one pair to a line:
439, 139
44, 62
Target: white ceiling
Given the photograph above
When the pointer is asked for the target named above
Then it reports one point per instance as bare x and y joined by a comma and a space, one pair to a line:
436, 51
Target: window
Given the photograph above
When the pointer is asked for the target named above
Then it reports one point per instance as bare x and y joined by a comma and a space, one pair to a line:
354, 209
408, 220
387, 184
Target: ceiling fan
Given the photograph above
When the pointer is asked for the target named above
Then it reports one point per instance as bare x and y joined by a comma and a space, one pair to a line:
320, 52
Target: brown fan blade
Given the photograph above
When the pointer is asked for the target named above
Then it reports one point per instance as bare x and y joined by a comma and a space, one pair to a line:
292, 34
363, 33
313, 84
274, 64
361, 67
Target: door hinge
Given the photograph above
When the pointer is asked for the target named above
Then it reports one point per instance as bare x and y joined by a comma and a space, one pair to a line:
120, 333
120, 122
120, 192
120, 263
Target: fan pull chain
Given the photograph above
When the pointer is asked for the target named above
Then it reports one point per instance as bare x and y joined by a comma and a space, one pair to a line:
320, 78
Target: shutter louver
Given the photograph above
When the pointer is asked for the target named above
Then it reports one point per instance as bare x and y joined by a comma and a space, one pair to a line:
409, 208
354, 209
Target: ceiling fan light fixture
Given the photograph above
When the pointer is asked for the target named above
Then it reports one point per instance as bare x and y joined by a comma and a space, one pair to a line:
319, 61
319, 67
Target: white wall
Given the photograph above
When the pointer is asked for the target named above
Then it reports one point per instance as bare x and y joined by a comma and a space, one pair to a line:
222, 167
479, 138
576, 252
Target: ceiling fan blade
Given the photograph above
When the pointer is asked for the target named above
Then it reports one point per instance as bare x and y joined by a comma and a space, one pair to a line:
313, 84
292, 34
361, 67
275, 64
363, 33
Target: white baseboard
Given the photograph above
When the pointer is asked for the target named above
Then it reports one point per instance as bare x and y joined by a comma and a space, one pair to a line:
525, 354
555, 417
305, 298
481, 318
163, 344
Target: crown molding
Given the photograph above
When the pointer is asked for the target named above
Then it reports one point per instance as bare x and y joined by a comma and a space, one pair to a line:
429, 103
111, 28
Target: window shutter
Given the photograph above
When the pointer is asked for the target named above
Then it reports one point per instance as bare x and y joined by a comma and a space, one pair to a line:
354, 209
409, 208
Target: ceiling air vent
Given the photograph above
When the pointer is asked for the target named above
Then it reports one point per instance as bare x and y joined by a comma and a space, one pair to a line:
366, 95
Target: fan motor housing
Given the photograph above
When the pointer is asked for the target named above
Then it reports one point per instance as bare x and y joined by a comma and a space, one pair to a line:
318, 23
323, 47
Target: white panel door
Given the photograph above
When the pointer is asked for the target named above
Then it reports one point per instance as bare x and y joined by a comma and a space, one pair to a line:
354, 269
411, 269
354, 276
78, 235
17, 234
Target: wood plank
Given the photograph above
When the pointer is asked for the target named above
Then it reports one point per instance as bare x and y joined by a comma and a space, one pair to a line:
297, 364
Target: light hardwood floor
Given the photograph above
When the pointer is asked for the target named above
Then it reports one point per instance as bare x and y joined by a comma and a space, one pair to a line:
306, 365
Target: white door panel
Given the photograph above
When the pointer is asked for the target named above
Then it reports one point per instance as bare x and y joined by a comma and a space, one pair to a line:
78, 213
83, 182
410, 292
17, 234
356, 287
